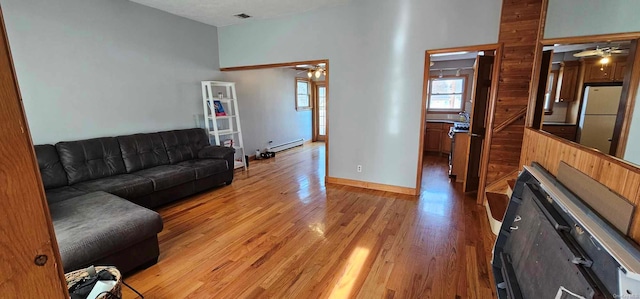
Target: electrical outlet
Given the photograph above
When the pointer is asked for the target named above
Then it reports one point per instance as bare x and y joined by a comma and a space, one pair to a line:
359, 168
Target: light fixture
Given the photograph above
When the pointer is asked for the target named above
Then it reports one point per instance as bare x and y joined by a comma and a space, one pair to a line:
317, 71
458, 73
441, 75
605, 60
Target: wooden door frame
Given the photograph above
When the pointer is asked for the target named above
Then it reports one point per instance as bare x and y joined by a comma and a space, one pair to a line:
28, 198
314, 115
293, 64
497, 47
629, 92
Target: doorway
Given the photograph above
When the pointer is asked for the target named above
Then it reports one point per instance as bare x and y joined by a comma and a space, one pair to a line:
458, 93
299, 103
320, 111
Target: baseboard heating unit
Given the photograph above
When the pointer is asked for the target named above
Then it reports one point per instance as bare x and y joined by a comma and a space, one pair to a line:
287, 145
553, 244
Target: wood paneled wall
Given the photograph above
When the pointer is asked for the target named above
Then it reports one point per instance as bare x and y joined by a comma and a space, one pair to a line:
619, 176
521, 27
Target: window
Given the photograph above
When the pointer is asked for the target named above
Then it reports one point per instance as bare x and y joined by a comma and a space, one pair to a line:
446, 94
322, 110
303, 94
550, 94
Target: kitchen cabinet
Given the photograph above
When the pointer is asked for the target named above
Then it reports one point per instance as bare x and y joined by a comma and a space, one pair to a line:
437, 137
568, 81
433, 137
566, 131
618, 72
595, 72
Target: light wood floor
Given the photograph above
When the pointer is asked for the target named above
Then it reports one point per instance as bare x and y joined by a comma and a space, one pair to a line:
278, 232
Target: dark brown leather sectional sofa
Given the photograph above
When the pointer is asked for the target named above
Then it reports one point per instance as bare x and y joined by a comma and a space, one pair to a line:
100, 191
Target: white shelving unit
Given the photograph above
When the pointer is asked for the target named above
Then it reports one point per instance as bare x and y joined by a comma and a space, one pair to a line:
224, 127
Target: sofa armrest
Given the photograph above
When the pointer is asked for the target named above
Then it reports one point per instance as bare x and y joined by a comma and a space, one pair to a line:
216, 152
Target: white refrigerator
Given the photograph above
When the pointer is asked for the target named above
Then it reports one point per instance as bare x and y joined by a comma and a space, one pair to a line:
599, 112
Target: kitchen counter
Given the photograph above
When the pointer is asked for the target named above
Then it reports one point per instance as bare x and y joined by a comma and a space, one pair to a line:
446, 121
459, 131
564, 130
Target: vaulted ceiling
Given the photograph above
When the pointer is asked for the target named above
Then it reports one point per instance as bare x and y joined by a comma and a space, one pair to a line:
222, 12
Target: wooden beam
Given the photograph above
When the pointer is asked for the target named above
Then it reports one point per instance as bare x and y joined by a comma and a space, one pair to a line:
629, 95
521, 27
475, 48
592, 38
273, 65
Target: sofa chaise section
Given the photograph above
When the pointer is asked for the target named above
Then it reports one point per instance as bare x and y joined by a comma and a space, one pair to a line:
86, 223
99, 226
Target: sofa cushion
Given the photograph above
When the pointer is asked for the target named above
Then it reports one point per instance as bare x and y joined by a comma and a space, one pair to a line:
141, 151
97, 224
51, 169
167, 176
182, 145
91, 159
205, 167
63, 193
124, 185
216, 152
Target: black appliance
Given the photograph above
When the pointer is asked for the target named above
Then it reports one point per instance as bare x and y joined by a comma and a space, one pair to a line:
553, 245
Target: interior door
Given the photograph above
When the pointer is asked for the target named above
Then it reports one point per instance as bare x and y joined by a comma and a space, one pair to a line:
481, 96
320, 112
29, 258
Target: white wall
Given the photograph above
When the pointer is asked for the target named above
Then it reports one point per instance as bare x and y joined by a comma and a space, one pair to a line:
376, 53
559, 114
266, 99
567, 18
92, 68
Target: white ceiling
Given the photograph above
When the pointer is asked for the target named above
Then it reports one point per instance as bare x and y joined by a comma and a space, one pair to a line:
222, 12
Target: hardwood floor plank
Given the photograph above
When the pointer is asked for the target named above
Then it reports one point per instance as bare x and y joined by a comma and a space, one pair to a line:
278, 232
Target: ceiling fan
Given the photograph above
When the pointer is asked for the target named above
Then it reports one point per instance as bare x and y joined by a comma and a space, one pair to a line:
602, 52
316, 70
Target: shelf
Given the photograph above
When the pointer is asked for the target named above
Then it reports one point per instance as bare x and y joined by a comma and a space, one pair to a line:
223, 117
223, 100
224, 132
220, 130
